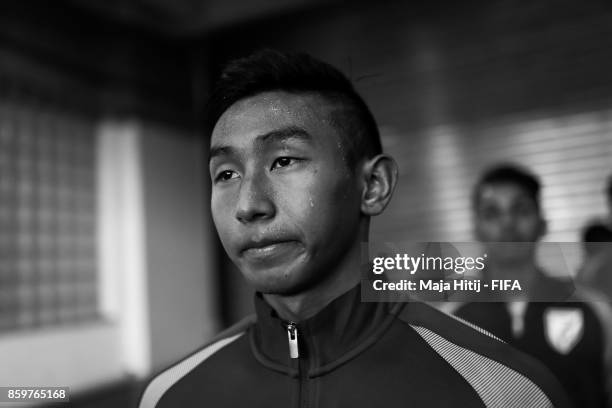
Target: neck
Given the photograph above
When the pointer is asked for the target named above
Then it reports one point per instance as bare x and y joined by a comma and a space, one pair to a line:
307, 303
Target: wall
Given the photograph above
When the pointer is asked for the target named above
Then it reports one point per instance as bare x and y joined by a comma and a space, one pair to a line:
58, 51
181, 262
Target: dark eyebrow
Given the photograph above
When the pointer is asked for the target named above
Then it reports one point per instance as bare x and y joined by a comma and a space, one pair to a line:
220, 151
278, 135
289, 132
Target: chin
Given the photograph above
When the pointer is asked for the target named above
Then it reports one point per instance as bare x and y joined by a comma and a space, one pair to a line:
279, 281
276, 288
273, 282
283, 278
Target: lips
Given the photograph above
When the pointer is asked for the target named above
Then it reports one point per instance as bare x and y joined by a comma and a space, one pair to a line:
269, 250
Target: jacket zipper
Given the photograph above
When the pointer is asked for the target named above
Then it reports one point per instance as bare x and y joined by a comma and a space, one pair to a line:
292, 333
294, 353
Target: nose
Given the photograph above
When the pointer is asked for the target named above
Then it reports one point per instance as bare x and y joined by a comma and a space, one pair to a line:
507, 220
254, 200
508, 225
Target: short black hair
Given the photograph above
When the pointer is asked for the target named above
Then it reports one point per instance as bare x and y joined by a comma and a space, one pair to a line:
509, 173
596, 232
270, 70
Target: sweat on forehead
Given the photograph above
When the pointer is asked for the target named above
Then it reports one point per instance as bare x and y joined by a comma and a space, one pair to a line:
287, 109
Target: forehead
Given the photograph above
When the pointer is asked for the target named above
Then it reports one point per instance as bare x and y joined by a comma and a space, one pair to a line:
270, 111
507, 193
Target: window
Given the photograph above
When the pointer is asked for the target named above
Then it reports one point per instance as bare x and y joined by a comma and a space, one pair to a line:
48, 274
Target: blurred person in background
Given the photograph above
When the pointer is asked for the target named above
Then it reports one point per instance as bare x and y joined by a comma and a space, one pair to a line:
596, 271
567, 336
609, 200
297, 170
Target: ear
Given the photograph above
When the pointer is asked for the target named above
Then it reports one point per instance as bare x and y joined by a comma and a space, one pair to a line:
379, 180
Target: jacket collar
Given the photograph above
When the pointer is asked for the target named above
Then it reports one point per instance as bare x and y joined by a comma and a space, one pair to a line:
339, 332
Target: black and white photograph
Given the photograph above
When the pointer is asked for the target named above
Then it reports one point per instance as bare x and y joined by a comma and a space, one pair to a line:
305, 203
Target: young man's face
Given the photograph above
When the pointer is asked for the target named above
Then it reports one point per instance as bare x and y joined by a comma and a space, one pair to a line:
285, 204
505, 213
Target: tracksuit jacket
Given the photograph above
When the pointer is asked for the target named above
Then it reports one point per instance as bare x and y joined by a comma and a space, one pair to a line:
355, 354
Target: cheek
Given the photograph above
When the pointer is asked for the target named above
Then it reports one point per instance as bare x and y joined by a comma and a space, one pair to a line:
321, 205
220, 212
529, 229
336, 208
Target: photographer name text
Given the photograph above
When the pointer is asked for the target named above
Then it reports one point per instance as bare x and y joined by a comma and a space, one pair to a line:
440, 285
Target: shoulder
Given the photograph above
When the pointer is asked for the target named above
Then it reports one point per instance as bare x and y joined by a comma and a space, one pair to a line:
593, 300
598, 306
500, 374
163, 381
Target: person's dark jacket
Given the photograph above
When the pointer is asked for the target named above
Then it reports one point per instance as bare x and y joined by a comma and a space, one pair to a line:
355, 354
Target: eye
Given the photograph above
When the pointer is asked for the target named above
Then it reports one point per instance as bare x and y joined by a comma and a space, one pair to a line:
524, 210
226, 175
283, 162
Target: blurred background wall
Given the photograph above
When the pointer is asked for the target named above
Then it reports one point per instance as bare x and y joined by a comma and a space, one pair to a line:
110, 266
